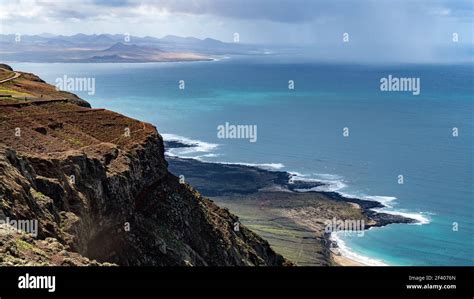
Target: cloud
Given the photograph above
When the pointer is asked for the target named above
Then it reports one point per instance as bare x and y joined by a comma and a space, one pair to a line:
113, 3
296, 11
284, 11
379, 29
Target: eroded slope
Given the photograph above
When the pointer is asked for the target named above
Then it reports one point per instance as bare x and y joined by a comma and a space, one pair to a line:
98, 184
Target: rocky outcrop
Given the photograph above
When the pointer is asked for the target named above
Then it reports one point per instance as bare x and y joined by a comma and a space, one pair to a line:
21, 249
6, 67
97, 183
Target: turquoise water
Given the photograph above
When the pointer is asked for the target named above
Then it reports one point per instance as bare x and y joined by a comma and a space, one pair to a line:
300, 130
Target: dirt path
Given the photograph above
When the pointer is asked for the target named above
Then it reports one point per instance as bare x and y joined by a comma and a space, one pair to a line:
8, 79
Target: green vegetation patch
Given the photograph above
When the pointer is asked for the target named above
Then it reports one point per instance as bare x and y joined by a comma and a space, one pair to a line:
14, 93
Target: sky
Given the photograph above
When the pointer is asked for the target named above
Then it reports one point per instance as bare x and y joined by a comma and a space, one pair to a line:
386, 29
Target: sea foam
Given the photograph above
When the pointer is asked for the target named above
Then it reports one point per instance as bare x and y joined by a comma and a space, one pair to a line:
195, 146
335, 183
347, 252
331, 183
199, 147
266, 166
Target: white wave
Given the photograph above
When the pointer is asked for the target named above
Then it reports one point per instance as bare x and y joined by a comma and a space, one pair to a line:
295, 173
331, 186
266, 166
315, 177
388, 202
338, 185
420, 217
347, 252
328, 185
196, 146
210, 155
327, 176
200, 158
303, 178
170, 153
385, 200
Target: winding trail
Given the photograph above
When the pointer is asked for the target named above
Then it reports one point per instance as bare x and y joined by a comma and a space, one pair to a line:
11, 78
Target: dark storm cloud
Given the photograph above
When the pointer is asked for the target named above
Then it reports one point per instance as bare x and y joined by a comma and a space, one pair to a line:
283, 11
297, 11
286, 11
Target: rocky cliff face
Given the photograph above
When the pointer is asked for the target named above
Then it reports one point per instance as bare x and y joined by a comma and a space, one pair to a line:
97, 183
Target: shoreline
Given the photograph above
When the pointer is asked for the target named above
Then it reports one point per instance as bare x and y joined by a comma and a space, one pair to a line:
345, 256
223, 181
345, 261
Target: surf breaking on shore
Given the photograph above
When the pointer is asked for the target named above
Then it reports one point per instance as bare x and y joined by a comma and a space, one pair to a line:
185, 150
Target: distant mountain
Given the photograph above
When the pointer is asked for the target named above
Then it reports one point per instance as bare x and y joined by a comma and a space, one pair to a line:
115, 47
59, 43
208, 45
213, 41
180, 40
94, 39
121, 47
106, 58
120, 52
46, 35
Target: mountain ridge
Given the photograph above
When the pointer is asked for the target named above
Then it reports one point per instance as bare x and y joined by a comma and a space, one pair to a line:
89, 48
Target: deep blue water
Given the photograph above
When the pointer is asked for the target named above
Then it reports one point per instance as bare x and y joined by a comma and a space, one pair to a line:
391, 134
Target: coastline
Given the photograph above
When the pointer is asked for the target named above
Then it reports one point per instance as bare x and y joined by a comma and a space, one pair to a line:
344, 261
239, 186
345, 256
75, 180
264, 182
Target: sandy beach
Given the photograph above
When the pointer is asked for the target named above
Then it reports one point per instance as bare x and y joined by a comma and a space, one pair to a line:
341, 260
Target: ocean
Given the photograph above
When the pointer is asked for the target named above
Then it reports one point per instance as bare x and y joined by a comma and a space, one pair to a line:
391, 135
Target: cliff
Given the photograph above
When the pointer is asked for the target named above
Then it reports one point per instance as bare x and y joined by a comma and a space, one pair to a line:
98, 184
